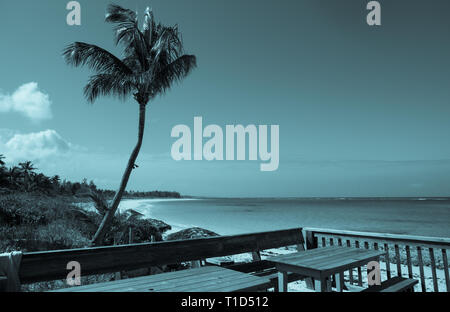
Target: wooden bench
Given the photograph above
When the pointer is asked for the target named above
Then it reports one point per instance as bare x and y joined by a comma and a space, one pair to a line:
51, 265
395, 284
264, 268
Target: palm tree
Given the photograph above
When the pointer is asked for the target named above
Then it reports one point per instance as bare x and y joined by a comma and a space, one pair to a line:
152, 61
27, 170
27, 167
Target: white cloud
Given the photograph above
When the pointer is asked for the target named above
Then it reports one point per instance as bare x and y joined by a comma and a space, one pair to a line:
27, 100
35, 146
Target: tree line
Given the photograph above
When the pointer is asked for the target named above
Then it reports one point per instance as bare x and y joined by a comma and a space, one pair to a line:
24, 177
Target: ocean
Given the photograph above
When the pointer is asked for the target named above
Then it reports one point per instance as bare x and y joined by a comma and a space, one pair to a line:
225, 216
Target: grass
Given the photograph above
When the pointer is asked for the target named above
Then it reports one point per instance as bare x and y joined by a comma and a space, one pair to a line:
36, 222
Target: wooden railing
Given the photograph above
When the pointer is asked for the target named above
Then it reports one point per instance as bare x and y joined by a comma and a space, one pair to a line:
51, 265
422, 252
399, 249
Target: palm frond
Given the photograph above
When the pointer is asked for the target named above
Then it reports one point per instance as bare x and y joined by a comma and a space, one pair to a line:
117, 14
107, 84
127, 32
149, 26
169, 45
175, 71
100, 203
98, 59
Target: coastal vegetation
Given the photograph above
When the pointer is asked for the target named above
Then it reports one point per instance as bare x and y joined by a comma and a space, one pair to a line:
153, 59
38, 212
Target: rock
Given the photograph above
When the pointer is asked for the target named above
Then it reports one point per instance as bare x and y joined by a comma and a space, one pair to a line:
191, 233
160, 225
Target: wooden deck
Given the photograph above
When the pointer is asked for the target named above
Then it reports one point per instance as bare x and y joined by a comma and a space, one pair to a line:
52, 265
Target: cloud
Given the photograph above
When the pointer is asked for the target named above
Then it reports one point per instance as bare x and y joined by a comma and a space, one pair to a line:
35, 146
27, 100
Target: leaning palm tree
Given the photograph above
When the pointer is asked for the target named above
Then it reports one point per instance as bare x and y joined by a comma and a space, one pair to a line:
152, 60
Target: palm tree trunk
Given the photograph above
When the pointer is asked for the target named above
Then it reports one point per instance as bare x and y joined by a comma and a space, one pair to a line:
106, 222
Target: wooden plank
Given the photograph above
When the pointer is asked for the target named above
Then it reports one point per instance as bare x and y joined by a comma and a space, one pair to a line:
433, 269
444, 259
207, 283
220, 261
408, 260
300, 255
360, 283
388, 261
282, 282
401, 286
395, 284
350, 272
316, 258
321, 285
348, 264
191, 283
242, 286
145, 279
48, 265
339, 282
311, 240
422, 274
397, 260
346, 260
330, 259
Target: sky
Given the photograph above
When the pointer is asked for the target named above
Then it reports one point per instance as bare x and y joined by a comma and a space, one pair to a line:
362, 110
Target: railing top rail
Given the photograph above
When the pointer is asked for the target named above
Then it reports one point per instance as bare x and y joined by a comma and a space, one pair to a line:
280, 233
48, 265
442, 242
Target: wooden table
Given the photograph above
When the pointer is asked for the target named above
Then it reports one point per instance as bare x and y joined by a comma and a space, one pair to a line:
204, 279
321, 263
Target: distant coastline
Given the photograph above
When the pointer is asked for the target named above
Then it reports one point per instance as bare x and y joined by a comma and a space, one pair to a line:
384, 198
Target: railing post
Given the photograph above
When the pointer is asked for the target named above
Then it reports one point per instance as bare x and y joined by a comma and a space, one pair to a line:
130, 235
311, 240
256, 256
117, 275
